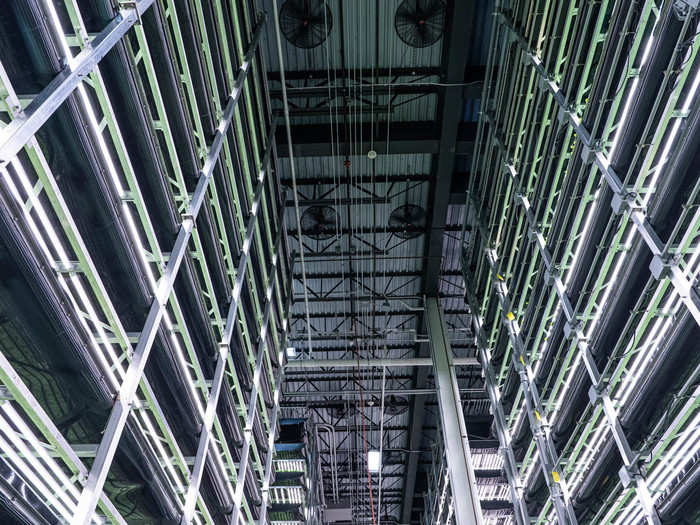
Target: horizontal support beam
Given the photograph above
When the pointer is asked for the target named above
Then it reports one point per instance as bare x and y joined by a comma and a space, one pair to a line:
338, 202
378, 178
326, 111
367, 73
357, 90
387, 392
395, 273
376, 297
472, 83
365, 230
314, 140
377, 313
367, 363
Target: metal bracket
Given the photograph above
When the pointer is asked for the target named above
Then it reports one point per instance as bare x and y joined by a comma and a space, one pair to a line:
588, 151
659, 266
685, 8
68, 267
550, 275
571, 327
595, 393
562, 116
628, 474
131, 4
622, 202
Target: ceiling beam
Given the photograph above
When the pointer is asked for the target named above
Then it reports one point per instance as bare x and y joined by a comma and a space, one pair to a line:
377, 313
366, 230
471, 85
454, 60
356, 90
367, 73
377, 274
314, 140
379, 178
358, 201
377, 297
368, 363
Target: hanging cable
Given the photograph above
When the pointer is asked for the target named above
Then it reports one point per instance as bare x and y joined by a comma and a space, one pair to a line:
288, 128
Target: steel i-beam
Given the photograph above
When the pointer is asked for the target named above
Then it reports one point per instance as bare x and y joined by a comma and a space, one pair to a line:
122, 406
464, 496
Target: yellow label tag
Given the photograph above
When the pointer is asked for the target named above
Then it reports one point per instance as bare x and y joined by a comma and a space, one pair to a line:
522, 361
510, 316
555, 476
537, 415
499, 276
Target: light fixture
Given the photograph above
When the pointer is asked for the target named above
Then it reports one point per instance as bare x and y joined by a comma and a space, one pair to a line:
291, 352
374, 461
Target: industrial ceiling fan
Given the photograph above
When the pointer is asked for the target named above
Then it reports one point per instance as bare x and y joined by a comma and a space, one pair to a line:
306, 23
420, 23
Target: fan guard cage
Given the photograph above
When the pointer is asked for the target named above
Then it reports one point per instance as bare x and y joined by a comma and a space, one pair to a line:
395, 405
410, 218
319, 222
420, 23
304, 23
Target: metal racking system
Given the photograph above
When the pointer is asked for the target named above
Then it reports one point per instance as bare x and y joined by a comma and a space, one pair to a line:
296, 496
141, 208
581, 256
164, 163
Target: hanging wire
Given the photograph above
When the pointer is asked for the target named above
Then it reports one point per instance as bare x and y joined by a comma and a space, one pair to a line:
293, 172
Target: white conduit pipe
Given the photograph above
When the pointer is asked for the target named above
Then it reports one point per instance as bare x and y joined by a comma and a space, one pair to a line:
334, 460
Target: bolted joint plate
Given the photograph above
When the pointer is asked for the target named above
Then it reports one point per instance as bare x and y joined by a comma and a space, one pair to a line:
571, 327
550, 275
595, 393
588, 153
622, 202
628, 475
659, 267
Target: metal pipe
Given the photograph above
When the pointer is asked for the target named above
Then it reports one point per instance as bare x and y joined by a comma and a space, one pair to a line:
367, 363
320, 469
334, 458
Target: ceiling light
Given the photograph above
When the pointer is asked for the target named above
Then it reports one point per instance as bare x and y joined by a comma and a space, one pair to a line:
374, 461
291, 352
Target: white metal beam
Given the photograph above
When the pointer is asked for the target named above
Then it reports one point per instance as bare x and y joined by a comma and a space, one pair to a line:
454, 431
